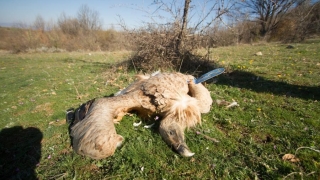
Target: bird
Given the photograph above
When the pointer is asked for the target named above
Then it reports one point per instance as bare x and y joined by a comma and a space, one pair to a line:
172, 96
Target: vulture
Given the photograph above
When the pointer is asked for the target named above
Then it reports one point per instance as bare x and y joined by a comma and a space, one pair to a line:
172, 96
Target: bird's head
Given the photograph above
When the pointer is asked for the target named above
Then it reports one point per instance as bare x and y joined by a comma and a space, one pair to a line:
173, 134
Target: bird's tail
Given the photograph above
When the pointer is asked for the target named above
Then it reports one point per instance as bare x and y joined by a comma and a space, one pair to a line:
74, 116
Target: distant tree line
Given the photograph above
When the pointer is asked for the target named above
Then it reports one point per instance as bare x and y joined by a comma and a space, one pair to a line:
226, 23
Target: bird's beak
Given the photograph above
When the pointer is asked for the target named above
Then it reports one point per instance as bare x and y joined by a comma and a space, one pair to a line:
184, 150
172, 133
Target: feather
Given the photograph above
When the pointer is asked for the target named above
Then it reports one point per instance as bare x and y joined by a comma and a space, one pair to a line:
185, 110
169, 95
137, 124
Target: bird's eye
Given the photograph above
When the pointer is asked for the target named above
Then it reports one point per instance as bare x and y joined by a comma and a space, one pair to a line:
171, 132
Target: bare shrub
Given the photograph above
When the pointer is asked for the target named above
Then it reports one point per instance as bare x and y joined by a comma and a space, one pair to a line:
170, 45
222, 36
300, 23
10, 39
88, 19
24, 37
80, 32
156, 50
268, 13
112, 40
39, 23
248, 32
68, 25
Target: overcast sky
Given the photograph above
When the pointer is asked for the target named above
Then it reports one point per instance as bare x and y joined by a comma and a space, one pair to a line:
26, 11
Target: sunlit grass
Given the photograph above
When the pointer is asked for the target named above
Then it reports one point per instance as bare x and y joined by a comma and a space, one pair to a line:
278, 112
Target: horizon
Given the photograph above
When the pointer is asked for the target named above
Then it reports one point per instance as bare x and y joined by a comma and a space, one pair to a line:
18, 12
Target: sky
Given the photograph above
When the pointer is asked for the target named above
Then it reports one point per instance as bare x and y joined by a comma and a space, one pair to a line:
132, 12
26, 11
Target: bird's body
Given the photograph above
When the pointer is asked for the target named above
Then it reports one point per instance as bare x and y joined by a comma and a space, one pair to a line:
172, 96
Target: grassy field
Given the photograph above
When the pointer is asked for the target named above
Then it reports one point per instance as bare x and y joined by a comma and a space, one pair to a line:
278, 95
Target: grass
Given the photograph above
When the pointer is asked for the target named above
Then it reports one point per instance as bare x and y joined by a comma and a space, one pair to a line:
278, 95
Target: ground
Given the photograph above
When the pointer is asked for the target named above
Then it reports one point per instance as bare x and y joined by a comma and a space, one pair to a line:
278, 95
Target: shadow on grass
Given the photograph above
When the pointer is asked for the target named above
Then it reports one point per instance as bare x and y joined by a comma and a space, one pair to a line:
185, 63
20, 151
259, 84
197, 66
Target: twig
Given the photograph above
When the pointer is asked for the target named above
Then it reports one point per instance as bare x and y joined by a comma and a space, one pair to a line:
181, 64
318, 151
78, 95
47, 73
135, 69
292, 174
111, 177
232, 104
300, 173
208, 137
59, 176
311, 173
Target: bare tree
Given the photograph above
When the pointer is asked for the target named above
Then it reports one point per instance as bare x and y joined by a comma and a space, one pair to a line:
68, 25
268, 13
88, 18
182, 32
300, 22
39, 23
209, 12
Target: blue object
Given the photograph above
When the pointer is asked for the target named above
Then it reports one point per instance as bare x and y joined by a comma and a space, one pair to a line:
209, 75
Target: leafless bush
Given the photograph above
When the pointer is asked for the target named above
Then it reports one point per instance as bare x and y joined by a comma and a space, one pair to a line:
69, 25
10, 39
221, 36
39, 23
24, 37
81, 32
300, 23
112, 40
248, 31
170, 45
156, 50
88, 19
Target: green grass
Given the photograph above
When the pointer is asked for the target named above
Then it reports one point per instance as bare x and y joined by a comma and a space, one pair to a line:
278, 95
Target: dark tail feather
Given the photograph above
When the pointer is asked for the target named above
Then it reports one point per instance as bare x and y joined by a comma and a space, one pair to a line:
74, 116
70, 115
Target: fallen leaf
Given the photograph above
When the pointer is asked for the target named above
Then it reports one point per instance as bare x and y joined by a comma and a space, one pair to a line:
57, 122
290, 157
258, 53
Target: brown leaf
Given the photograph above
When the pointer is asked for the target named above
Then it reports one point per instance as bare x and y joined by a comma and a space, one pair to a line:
290, 157
57, 122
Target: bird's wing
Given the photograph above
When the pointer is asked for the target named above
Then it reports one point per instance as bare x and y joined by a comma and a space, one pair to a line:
165, 88
135, 85
95, 136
